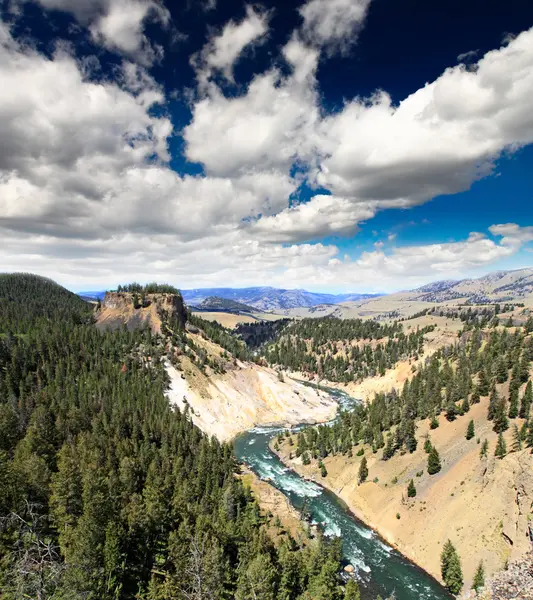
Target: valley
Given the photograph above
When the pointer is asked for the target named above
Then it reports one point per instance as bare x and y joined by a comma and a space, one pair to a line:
323, 395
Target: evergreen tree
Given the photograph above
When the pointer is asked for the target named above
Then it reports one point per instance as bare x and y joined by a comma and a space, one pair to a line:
351, 591
479, 577
411, 489
494, 401
434, 423
484, 449
527, 399
513, 404
454, 575
470, 431
501, 421
434, 465
517, 439
451, 571
322, 467
501, 447
363, 470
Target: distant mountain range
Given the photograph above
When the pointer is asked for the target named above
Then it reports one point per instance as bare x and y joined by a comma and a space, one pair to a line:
92, 295
500, 286
269, 298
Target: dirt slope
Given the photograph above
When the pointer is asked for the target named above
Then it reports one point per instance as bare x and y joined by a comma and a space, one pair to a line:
244, 397
483, 505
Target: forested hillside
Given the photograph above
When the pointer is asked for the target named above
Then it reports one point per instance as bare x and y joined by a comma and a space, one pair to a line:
108, 493
451, 381
343, 350
28, 301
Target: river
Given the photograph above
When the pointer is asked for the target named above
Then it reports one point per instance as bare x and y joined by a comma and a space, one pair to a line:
379, 568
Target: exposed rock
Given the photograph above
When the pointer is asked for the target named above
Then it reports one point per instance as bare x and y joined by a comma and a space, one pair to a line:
119, 309
349, 569
515, 583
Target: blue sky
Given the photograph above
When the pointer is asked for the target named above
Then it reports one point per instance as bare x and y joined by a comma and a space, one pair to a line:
336, 145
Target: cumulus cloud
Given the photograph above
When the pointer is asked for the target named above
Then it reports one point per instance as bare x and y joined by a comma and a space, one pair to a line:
322, 216
223, 50
333, 24
439, 140
85, 183
269, 127
117, 24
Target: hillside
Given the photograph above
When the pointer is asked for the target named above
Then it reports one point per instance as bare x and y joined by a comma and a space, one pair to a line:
482, 502
214, 303
210, 369
107, 489
27, 301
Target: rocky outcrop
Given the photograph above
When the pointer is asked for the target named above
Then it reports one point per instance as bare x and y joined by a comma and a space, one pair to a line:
136, 311
514, 583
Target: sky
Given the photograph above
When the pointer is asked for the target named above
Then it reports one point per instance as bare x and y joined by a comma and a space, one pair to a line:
332, 145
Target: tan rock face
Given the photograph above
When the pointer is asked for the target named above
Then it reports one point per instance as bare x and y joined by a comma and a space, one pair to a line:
246, 396
118, 309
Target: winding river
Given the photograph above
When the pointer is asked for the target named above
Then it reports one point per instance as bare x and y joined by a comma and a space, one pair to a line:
379, 568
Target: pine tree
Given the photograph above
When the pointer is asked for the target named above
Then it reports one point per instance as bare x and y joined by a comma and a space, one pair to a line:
483, 385
501, 447
494, 400
427, 445
434, 423
502, 372
501, 421
363, 470
454, 574
352, 591
445, 556
517, 439
470, 431
527, 399
513, 404
479, 577
322, 467
451, 571
411, 489
484, 449
434, 465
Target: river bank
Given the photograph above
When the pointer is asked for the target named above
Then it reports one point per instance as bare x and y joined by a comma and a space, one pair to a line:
482, 505
379, 568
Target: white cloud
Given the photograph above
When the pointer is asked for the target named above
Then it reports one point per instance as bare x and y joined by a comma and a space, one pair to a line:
269, 127
117, 24
437, 141
223, 50
321, 216
85, 188
513, 234
334, 24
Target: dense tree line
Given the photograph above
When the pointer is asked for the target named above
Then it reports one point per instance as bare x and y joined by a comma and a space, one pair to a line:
446, 386
149, 288
108, 493
326, 347
29, 302
256, 334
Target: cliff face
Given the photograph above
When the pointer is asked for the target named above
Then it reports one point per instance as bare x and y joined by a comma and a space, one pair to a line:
136, 311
